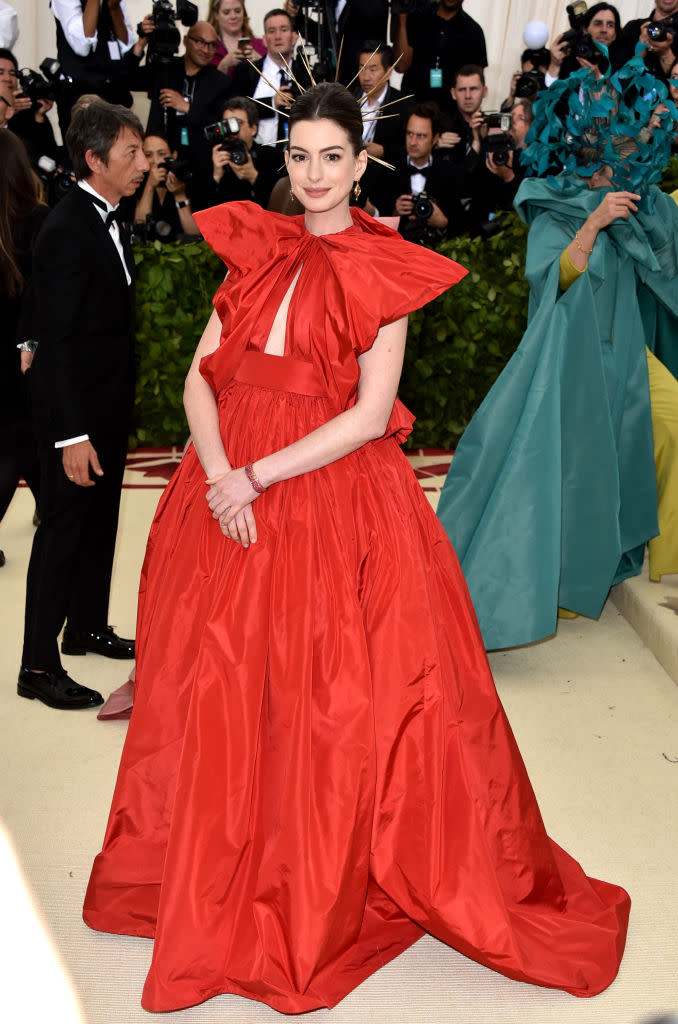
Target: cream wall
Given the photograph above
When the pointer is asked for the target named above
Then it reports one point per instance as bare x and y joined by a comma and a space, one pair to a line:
503, 23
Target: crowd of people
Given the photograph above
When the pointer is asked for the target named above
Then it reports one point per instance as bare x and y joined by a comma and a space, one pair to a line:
436, 129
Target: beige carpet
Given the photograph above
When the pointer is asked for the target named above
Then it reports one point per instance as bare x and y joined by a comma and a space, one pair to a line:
596, 719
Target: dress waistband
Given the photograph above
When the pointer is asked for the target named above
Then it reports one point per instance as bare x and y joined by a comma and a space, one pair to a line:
280, 372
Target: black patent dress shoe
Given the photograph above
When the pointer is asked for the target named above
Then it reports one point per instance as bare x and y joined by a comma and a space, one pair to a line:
104, 642
56, 690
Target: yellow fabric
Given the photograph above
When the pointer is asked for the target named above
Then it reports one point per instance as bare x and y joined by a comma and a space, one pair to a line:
568, 272
674, 195
664, 406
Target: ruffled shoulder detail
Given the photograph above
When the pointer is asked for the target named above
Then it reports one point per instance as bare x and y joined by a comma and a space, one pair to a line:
247, 237
396, 277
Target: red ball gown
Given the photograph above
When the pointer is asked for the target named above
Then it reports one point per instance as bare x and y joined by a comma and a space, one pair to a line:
318, 769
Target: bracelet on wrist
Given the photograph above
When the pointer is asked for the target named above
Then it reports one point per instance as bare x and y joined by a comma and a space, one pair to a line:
252, 477
587, 252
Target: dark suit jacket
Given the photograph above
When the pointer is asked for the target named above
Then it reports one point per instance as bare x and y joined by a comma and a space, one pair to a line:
390, 133
360, 21
83, 372
385, 186
245, 80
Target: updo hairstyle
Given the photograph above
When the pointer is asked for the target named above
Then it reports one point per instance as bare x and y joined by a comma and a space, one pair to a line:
332, 102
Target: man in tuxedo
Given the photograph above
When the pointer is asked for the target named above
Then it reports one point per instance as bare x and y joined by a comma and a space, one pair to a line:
81, 383
420, 171
280, 38
383, 138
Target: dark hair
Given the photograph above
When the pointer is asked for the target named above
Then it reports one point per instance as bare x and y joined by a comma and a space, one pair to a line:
6, 54
383, 49
540, 58
333, 102
97, 127
592, 11
20, 194
245, 104
278, 12
466, 70
157, 135
430, 111
526, 104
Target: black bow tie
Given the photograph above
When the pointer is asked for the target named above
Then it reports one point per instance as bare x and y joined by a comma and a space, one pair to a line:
112, 216
420, 170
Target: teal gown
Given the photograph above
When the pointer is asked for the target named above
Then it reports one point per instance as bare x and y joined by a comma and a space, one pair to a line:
551, 494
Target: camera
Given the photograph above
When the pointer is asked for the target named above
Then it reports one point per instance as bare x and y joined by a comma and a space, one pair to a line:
422, 206
34, 86
226, 133
181, 169
151, 231
658, 31
529, 84
498, 119
499, 147
165, 38
56, 181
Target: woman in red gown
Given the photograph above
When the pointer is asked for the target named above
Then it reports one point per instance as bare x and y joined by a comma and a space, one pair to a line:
318, 769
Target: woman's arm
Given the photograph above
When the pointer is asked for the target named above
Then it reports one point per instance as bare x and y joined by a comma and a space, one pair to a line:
614, 205
201, 406
367, 420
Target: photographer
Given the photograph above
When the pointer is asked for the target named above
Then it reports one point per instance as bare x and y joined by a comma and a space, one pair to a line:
420, 190
353, 21
30, 120
636, 30
162, 202
659, 34
531, 79
92, 38
241, 168
601, 23
433, 45
464, 127
188, 91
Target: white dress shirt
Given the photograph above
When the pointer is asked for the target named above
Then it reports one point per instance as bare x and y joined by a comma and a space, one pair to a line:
370, 108
268, 126
418, 181
114, 231
69, 14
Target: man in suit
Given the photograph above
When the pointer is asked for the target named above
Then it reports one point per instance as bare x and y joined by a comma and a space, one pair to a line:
280, 38
81, 383
394, 193
383, 138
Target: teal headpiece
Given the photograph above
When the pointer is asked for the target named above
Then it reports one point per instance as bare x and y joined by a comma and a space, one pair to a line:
625, 119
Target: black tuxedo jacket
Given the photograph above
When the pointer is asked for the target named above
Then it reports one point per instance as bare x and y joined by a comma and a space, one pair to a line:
385, 186
359, 22
245, 81
82, 377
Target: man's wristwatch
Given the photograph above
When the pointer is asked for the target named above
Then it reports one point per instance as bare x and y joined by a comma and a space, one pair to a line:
180, 203
28, 346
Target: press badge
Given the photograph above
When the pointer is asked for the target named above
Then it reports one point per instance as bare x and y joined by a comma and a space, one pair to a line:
436, 78
184, 135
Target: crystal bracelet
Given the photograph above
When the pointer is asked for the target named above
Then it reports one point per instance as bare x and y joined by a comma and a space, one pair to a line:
252, 477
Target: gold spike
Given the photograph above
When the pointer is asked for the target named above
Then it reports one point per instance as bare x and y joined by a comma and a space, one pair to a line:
276, 110
341, 47
391, 167
401, 99
380, 117
291, 74
384, 77
282, 95
307, 63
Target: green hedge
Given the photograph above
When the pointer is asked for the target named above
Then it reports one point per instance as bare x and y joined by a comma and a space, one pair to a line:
456, 345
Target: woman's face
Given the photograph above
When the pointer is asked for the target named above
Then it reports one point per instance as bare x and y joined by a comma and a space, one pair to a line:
602, 27
673, 76
230, 17
321, 164
601, 178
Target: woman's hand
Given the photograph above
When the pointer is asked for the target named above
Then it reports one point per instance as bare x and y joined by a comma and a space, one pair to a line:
614, 205
230, 499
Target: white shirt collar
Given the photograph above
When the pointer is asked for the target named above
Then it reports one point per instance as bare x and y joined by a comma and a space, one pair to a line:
372, 103
86, 187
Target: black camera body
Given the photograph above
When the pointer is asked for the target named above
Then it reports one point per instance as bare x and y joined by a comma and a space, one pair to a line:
499, 147
57, 182
422, 206
658, 31
529, 84
225, 133
501, 119
165, 38
34, 86
181, 169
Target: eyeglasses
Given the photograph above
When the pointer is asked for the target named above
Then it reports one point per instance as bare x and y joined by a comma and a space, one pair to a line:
208, 44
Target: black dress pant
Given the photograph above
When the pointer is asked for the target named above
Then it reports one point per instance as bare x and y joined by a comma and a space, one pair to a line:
69, 573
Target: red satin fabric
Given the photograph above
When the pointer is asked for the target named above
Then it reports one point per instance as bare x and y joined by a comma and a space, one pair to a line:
318, 768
